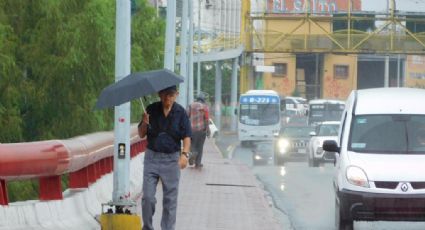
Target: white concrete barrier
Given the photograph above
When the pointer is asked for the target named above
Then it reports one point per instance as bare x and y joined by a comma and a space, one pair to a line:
77, 210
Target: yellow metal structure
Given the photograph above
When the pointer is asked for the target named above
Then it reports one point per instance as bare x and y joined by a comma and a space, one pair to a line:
313, 33
245, 40
120, 222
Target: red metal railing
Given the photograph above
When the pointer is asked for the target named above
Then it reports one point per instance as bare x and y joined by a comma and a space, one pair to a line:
86, 158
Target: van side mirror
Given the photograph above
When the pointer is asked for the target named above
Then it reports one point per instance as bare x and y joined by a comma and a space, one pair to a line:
331, 150
330, 146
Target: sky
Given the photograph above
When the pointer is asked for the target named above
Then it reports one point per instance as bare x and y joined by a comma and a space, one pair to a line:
402, 5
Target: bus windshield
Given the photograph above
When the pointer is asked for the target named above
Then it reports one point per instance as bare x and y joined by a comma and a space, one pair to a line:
259, 114
325, 112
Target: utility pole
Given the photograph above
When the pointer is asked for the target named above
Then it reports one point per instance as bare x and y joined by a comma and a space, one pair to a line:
182, 98
170, 36
190, 57
119, 215
198, 79
121, 188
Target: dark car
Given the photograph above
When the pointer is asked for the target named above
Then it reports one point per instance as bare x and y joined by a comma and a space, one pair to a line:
291, 144
262, 152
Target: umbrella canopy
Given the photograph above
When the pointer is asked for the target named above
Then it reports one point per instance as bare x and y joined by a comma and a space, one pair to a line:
136, 85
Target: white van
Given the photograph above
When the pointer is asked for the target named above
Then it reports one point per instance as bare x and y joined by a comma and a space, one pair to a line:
380, 159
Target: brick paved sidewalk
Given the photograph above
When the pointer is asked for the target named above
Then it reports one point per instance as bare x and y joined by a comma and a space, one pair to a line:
221, 195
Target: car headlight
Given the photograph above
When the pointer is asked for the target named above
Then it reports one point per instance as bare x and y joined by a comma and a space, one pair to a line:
357, 176
283, 145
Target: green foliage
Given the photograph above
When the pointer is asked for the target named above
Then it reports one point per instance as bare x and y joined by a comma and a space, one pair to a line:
10, 119
147, 48
22, 190
208, 80
55, 58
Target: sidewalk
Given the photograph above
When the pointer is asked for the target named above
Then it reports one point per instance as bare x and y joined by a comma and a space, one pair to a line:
222, 195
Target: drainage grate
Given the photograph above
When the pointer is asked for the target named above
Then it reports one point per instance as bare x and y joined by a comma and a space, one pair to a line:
231, 185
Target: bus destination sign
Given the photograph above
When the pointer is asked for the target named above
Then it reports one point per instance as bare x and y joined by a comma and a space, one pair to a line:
264, 99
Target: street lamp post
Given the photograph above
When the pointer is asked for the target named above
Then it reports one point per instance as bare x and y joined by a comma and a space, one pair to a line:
198, 78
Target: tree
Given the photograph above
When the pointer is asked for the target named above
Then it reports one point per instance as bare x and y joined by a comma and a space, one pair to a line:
10, 119
56, 57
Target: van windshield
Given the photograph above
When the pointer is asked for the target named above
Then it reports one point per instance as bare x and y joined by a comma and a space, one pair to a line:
388, 134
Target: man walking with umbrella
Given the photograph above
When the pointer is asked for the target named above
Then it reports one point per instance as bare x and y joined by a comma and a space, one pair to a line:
166, 124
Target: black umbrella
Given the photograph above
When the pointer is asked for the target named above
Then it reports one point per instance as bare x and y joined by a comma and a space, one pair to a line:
137, 85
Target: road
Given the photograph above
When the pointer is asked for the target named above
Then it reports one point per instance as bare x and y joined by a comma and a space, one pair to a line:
303, 197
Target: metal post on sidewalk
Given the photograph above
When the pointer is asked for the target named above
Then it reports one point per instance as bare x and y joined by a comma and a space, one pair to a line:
233, 94
190, 59
119, 214
198, 79
182, 98
217, 96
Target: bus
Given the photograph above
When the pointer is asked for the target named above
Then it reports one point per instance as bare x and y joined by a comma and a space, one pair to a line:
259, 116
324, 110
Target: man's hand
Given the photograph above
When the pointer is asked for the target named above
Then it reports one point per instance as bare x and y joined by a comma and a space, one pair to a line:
183, 161
145, 118
143, 125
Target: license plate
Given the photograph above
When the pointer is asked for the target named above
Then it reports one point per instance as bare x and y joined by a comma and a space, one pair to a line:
302, 151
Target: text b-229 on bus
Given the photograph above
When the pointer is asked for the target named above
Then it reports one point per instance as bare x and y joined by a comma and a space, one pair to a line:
259, 100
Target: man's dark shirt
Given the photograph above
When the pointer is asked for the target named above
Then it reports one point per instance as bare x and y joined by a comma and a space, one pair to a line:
175, 127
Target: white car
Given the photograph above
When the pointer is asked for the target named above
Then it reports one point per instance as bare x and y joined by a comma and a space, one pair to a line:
327, 130
213, 129
380, 157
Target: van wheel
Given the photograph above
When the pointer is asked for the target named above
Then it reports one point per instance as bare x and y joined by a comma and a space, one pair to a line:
342, 221
310, 162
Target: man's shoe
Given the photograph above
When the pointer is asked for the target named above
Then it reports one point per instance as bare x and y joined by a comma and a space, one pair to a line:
199, 166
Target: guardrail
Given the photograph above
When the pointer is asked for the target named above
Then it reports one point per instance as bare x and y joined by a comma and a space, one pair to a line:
85, 158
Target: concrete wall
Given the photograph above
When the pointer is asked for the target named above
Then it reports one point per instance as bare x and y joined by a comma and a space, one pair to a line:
415, 71
78, 210
284, 85
334, 87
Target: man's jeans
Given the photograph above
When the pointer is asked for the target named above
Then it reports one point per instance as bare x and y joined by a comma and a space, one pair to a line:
198, 140
162, 166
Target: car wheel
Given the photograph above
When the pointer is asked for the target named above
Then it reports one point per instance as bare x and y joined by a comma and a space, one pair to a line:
244, 143
278, 161
254, 161
342, 221
315, 163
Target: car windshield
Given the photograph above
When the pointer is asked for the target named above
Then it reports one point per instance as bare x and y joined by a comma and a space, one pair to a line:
328, 130
296, 131
264, 147
388, 134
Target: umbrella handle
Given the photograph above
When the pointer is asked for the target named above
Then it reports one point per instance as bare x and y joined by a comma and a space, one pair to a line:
143, 106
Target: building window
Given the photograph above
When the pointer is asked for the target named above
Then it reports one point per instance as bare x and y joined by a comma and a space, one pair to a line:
341, 71
280, 69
